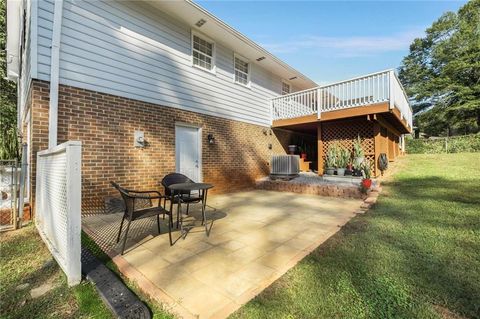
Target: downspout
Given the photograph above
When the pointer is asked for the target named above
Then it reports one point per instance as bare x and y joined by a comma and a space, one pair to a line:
54, 73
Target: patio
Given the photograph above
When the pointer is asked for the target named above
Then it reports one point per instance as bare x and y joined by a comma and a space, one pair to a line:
256, 236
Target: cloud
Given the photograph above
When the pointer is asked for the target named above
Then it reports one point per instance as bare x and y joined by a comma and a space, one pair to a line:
347, 46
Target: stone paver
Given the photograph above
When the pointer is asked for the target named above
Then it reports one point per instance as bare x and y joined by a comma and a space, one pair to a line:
256, 237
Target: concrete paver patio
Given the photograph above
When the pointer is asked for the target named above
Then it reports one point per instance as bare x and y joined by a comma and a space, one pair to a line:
256, 236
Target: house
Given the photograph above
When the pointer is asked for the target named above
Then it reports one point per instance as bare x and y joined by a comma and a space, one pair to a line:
152, 87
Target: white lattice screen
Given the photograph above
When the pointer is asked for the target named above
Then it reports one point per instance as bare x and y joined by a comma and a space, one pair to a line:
58, 205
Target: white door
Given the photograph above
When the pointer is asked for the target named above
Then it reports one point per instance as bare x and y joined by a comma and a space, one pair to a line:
188, 152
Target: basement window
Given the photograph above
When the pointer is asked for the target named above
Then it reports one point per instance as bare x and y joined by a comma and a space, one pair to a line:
203, 53
242, 70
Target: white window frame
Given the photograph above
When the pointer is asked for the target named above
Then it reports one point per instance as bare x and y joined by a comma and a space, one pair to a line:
214, 51
249, 74
289, 87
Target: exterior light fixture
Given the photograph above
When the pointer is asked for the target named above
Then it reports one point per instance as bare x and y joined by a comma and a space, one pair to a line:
261, 58
200, 22
211, 139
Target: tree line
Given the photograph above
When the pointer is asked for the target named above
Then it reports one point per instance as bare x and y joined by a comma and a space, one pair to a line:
441, 74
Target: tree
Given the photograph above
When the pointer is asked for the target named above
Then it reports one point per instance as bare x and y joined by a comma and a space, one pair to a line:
441, 73
8, 98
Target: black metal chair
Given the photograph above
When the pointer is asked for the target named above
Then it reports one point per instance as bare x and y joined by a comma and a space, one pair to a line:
137, 208
185, 196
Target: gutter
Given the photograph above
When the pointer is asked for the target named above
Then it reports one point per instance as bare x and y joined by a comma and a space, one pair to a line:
54, 73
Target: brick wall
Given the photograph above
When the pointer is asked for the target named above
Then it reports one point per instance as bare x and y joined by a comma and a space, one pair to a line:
106, 123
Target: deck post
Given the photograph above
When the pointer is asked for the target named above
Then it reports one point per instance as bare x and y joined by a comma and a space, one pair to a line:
319, 149
378, 146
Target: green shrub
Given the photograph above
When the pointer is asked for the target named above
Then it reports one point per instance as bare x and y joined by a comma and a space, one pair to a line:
456, 144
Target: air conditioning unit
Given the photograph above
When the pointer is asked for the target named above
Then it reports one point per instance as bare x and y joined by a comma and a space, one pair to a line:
284, 166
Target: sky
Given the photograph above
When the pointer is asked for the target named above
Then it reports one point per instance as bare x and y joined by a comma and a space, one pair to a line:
330, 41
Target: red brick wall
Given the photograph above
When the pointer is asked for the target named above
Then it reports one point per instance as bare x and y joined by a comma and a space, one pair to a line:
106, 123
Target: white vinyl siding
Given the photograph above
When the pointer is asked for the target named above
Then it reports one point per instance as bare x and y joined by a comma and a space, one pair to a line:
26, 58
242, 70
132, 50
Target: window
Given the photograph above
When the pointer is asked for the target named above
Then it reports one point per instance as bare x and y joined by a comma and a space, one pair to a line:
285, 88
242, 70
203, 53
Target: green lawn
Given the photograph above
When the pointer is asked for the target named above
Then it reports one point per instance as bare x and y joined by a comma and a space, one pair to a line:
415, 255
24, 259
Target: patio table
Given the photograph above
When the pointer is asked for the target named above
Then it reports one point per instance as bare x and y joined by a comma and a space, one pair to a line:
203, 190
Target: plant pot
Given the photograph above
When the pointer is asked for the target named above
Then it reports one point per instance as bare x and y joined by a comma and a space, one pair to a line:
358, 161
367, 183
330, 170
341, 171
357, 172
348, 172
303, 156
292, 148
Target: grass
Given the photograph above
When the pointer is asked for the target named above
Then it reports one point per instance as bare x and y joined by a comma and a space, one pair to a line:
415, 255
24, 259
156, 309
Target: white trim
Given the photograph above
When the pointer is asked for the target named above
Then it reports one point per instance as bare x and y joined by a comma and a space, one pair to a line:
194, 32
33, 39
200, 134
55, 73
74, 209
249, 74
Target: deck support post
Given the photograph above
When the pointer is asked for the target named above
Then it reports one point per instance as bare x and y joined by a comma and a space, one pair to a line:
377, 135
319, 149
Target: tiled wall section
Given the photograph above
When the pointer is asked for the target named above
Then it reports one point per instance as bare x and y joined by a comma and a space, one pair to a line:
105, 124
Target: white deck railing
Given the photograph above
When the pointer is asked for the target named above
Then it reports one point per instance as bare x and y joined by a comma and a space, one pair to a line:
380, 87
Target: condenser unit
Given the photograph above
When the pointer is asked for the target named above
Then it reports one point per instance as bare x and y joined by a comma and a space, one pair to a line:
284, 166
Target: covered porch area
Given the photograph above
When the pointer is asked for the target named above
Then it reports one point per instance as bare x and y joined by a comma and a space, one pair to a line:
373, 107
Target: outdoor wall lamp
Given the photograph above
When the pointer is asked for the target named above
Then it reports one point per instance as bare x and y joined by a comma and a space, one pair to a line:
211, 139
139, 139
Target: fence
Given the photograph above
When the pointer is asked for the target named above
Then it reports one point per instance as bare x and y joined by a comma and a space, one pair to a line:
13, 191
453, 144
58, 205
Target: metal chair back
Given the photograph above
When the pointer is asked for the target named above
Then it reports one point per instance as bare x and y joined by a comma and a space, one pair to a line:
175, 178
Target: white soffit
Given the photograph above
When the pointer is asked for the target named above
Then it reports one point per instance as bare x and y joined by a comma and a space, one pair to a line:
190, 13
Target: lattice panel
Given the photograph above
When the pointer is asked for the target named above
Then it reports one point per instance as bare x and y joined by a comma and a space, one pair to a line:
346, 132
57, 205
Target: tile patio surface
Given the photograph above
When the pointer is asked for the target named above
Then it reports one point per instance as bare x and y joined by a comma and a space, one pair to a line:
256, 236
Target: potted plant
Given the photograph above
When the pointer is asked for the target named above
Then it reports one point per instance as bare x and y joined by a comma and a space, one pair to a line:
343, 159
349, 170
367, 174
331, 160
358, 154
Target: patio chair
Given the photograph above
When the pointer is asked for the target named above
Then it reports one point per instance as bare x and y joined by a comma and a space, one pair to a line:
135, 209
185, 196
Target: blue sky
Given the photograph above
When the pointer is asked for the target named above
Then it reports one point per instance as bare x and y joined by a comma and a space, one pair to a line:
333, 40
